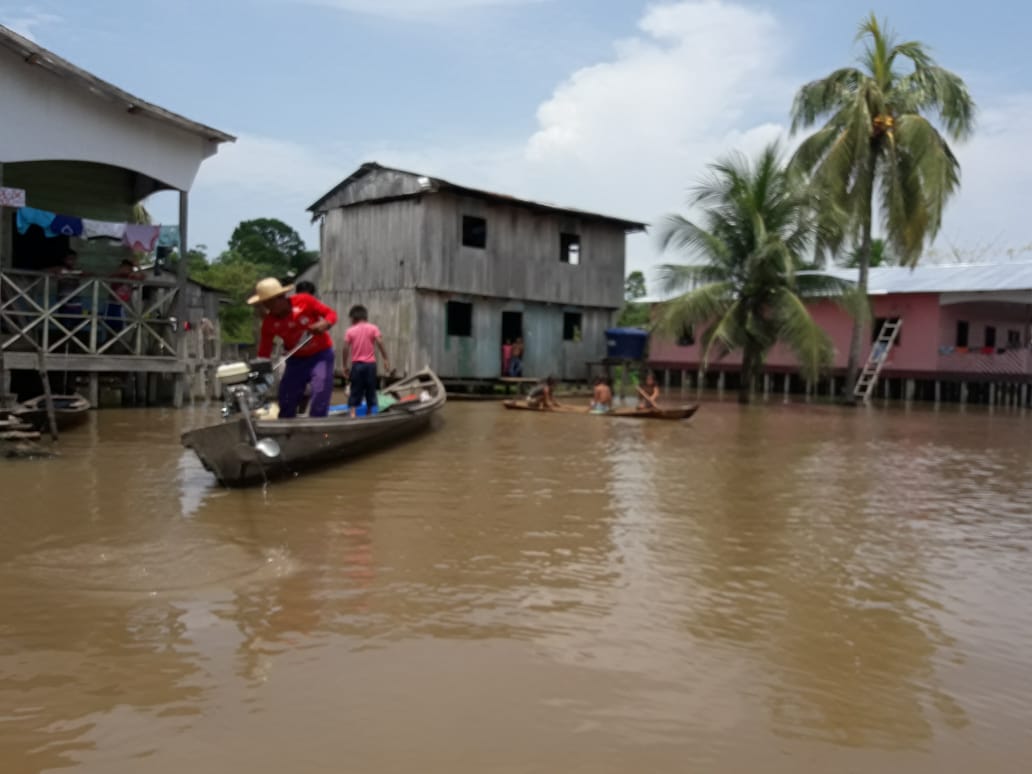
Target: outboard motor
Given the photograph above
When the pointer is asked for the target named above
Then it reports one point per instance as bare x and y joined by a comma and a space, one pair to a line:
245, 386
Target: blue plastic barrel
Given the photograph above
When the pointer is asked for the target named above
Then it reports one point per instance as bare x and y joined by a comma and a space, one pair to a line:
626, 343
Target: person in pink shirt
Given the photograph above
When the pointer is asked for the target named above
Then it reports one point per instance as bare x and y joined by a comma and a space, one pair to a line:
361, 341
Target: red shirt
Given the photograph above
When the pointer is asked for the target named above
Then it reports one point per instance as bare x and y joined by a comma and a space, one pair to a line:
304, 311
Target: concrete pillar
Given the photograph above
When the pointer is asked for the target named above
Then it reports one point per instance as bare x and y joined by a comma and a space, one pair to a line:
684, 382
152, 389
992, 394
938, 391
786, 383
832, 387
766, 384
911, 387
720, 382
963, 393
1024, 396
666, 380
94, 389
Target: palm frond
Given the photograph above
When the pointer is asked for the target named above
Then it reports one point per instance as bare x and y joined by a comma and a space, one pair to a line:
801, 334
821, 97
700, 306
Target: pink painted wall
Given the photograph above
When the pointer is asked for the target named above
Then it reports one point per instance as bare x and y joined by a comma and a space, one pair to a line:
917, 350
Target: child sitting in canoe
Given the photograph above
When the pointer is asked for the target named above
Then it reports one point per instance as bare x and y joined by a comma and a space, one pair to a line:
542, 395
602, 396
649, 394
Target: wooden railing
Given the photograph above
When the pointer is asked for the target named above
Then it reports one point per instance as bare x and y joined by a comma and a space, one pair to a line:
79, 315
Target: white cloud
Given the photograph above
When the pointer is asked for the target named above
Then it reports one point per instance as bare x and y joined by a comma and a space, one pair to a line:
416, 9
629, 137
26, 21
990, 214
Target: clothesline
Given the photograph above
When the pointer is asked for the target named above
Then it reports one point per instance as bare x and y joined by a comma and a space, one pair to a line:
139, 237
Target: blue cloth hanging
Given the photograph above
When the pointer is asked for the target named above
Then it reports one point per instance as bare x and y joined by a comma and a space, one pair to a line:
30, 216
168, 236
65, 225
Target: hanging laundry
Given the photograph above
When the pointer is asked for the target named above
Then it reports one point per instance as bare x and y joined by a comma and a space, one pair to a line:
30, 216
141, 238
97, 229
65, 225
168, 236
12, 197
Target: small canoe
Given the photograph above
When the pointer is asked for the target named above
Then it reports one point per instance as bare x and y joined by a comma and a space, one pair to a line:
228, 451
674, 413
69, 411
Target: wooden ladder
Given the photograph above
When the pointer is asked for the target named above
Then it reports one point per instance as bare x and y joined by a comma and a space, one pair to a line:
877, 359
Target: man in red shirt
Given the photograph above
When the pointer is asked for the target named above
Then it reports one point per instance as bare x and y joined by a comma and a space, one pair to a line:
290, 319
360, 343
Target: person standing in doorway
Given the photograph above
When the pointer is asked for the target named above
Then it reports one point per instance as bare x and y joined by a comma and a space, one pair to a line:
516, 358
291, 320
506, 356
361, 341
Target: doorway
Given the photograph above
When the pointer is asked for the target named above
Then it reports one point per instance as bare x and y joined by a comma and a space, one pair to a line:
512, 329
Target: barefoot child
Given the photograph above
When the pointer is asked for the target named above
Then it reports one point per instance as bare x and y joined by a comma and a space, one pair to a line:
360, 344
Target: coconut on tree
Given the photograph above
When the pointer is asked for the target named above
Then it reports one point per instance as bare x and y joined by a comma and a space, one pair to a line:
884, 145
745, 285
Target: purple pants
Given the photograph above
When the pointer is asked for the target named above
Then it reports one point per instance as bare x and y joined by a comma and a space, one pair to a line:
317, 369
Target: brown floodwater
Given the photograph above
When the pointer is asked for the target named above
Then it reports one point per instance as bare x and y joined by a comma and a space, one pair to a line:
776, 589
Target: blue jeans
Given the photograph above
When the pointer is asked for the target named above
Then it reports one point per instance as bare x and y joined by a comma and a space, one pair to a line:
317, 369
363, 385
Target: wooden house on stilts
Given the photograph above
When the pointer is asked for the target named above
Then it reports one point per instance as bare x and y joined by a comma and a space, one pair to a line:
450, 273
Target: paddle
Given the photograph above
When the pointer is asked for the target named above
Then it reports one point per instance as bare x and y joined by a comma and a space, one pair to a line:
649, 400
304, 340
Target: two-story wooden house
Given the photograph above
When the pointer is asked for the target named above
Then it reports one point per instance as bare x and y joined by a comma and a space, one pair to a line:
451, 273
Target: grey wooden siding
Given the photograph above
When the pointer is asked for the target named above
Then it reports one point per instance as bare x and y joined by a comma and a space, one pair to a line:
521, 260
480, 356
371, 247
393, 312
382, 184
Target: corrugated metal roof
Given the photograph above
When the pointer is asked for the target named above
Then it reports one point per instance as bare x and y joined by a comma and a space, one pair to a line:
945, 278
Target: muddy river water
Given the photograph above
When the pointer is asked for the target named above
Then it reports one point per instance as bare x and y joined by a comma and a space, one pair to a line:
776, 589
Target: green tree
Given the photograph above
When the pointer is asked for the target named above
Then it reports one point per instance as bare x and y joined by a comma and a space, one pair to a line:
634, 286
235, 276
881, 255
877, 140
745, 286
633, 314
270, 244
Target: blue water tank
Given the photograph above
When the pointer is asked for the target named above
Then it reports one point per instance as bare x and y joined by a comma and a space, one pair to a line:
626, 343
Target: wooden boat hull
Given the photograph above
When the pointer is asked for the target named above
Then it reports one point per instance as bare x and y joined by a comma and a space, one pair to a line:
69, 411
226, 449
669, 414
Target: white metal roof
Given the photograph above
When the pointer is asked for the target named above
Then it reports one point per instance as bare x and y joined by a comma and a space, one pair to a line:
944, 278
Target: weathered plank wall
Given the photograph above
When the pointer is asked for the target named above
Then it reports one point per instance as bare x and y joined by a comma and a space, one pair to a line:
480, 356
370, 247
379, 184
393, 312
521, 260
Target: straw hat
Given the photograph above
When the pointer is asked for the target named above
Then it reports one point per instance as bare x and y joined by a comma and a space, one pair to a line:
267, 289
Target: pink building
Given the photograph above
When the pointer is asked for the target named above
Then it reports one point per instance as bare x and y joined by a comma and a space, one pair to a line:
961, 324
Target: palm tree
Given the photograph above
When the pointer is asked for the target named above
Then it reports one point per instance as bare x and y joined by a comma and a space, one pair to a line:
878, 140
880, 255
757, 224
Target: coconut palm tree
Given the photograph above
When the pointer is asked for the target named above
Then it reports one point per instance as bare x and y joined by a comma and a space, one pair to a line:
745, 285
878, 141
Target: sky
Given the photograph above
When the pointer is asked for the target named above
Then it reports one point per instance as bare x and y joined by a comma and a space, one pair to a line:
608, 105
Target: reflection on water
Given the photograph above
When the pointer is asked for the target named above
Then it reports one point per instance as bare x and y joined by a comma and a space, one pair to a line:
778, 588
